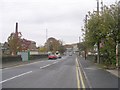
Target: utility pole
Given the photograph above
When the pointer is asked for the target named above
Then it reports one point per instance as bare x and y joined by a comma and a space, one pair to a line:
98, 7
86, 17
102, 7
98, 43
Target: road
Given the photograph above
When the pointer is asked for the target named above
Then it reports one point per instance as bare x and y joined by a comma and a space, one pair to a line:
60, 73
67, 72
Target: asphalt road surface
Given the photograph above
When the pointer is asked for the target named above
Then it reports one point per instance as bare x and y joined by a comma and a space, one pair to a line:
67, 72
59, 73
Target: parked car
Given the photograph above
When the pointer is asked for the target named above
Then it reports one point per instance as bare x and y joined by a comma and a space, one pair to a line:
52, 56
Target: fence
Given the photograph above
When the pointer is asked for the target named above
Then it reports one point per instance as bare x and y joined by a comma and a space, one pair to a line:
6, 59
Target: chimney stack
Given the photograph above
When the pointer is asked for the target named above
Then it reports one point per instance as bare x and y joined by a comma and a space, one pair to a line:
16, 30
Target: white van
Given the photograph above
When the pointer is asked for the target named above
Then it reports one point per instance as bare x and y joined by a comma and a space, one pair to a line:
58, 55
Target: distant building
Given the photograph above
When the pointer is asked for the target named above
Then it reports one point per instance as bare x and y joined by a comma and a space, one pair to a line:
28, 45
5, 48
71, 47
68, 46
75, 47
25, 44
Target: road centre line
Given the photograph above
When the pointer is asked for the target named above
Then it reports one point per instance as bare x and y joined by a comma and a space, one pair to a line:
55, 62
26, 73
24, 65
45, 66
48, 65
80, 74
15, 77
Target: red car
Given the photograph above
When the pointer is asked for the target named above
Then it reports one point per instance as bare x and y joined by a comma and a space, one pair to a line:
52, 56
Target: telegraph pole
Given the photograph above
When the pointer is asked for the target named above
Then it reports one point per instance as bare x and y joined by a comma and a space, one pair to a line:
98, 43
98, 7
86, 17
102, 7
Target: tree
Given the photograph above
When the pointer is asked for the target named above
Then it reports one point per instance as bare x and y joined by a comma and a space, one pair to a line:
14, 42
42, 49
54, 45
61, 48
104, 29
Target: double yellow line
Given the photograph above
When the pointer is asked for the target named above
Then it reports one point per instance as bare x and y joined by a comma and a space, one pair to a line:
80, 81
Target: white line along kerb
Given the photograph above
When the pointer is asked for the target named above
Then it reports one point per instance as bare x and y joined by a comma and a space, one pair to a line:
15, 77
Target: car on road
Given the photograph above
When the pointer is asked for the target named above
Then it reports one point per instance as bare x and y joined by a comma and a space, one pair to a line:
52, 56
70, 53
58, 55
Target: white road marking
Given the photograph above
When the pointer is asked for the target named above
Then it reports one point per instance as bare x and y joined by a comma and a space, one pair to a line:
45, 66
26, 72
15, 77
26, 64
91, 68
48, 65
55, 62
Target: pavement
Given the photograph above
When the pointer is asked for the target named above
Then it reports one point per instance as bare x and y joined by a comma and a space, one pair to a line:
115, 72
98, 77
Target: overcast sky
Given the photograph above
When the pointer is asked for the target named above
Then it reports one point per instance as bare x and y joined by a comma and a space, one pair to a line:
63, 19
